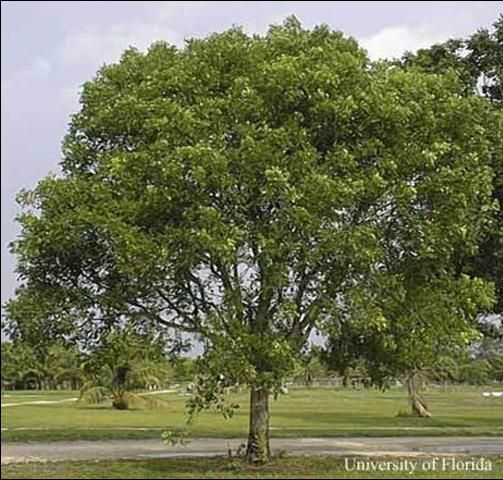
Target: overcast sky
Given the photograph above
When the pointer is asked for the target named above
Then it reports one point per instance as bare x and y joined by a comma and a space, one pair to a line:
50, 48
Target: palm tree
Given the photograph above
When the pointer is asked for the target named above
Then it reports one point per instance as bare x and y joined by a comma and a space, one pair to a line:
20, 365
124, 363
119, 383
311, 368
61, 364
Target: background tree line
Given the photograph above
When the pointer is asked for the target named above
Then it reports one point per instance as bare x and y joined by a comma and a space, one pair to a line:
144, 367
121, 359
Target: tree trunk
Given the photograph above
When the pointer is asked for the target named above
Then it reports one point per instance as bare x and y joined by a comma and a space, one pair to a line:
417, 404
258, 449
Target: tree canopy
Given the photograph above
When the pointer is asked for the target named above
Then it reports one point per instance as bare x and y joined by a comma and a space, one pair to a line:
478, 62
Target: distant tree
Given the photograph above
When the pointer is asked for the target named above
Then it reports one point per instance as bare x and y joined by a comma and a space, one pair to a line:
404, 324
311, 368
121, 363
496, 362
446, 368
20, 366
475, 371
183, 369
62, 365
490, 349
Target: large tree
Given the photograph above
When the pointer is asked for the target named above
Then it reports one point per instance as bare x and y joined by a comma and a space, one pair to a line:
403, 322
408, 294
478, 62
236, 189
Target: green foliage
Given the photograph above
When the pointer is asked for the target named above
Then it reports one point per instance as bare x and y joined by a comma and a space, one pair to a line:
404, 323
311, 367
477, 61
446, 368
183, 369
122, 362
92, 395
496, 362
476, 372
176, 437
19, 362
25, 365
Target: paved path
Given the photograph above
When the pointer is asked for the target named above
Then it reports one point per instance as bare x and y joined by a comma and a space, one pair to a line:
84, 450
38, 402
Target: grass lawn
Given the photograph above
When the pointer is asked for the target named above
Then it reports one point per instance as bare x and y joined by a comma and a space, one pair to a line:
217, 467
306, 412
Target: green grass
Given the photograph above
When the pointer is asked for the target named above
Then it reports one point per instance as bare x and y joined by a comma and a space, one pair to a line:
316, 412
216, 467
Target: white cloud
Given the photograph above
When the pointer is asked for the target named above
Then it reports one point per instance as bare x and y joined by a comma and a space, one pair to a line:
177, 11
394, 41
93, 46
261, 25
224, 14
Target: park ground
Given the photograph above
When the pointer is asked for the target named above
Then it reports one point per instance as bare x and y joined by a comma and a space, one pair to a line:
306, 413
303, 412
219, 467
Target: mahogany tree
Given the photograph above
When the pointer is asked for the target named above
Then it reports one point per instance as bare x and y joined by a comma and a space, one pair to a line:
237, 189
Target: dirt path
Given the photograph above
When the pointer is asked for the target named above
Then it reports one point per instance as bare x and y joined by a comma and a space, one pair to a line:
49, 402
87, 450
38, 402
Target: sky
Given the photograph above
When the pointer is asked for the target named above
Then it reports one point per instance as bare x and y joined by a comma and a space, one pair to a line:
50, 48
